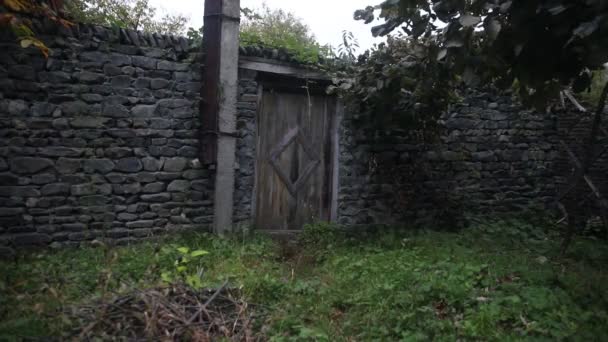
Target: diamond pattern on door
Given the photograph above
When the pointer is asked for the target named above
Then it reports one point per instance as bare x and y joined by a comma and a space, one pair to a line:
294, 135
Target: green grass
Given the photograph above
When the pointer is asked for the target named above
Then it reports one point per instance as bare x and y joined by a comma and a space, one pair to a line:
499, 281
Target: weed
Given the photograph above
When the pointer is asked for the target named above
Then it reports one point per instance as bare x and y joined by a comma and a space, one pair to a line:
320, 235
501, 280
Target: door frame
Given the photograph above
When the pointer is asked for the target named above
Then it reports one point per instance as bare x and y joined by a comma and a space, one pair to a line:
291, 83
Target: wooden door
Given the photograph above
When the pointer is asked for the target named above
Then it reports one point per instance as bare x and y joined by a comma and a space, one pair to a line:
295, 146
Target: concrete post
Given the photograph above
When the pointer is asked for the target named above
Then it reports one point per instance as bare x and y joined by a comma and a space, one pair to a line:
227, 97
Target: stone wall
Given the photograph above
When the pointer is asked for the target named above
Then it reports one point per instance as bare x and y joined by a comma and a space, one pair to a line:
246, 148
574, 129
492, 156
99, 140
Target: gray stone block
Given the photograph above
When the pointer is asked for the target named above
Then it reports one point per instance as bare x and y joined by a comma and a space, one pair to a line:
178, 186
88, 122
153, 188
102, 166
29, 165
142, 82
118, 152
116, 178
144, 62
90, 77
55, 189
188, 151
127, 189
129, 165
32, 239
18, 108
94, 200
177, 164
90, 189
144, 111
127, 217
115, 111
144, 177
44, 178
68, 165
140, 224
74, 227
52, 151
75, 108
172, 66
158, 198
122, 81
11, 211
118, 59
195, 174
112, 70
159, 83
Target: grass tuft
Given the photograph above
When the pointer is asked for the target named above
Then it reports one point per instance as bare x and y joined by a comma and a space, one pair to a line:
499, 280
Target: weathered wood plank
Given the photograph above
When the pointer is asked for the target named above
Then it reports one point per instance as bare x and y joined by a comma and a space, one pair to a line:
293, 171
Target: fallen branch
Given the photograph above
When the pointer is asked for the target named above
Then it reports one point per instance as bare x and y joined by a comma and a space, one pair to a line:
176, 313
207, 303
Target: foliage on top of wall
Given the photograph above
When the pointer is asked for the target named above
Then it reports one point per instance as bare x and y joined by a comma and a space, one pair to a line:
280, 29
131, 14
274, 33
396, 84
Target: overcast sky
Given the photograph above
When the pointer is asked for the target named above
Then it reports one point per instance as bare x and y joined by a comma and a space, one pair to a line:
326, 18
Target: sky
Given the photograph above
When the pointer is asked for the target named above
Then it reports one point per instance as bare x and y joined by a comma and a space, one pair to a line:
326, 18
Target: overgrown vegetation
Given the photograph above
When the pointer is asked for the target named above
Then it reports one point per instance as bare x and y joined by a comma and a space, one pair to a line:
543, 45
279, 29
400, 81
496, 281
268, 28
131, 14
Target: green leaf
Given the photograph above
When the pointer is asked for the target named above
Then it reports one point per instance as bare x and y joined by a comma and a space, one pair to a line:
194, 281
198, 253
183, 250
26, 43
166, 277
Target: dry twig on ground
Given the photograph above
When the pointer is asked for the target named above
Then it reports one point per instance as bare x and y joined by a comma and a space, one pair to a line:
172, 313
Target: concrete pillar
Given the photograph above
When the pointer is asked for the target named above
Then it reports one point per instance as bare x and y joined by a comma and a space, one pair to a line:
227, 97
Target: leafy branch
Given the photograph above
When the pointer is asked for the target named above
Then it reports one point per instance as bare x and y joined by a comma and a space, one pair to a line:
16, 15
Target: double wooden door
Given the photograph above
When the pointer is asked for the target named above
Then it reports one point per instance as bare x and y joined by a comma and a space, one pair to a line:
296, 149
